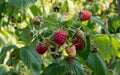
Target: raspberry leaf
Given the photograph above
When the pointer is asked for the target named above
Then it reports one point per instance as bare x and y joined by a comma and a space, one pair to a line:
31, 59
63, 68
97, 64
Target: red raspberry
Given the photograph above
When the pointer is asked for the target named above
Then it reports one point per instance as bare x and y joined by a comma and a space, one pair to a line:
79, 44
60, 37
85, 15
40, 49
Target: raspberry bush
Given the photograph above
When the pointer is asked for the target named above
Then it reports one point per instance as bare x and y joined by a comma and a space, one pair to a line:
59, 37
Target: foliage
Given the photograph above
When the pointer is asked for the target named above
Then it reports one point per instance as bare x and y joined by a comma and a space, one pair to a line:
19, 37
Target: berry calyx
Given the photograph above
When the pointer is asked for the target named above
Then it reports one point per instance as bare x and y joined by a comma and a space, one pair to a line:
36, 20
79, 44
59, 37
40, 49
85, 15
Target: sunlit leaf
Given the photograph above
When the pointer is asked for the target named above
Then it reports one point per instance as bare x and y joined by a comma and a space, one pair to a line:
103, 44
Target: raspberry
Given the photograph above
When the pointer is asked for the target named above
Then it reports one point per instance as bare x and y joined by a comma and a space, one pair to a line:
85, 15
36, 20
79, 44
60, 37
40, 49
71, 50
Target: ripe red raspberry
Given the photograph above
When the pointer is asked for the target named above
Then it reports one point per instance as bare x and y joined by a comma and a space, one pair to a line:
85, 15
40, 49
60, 37
79, 44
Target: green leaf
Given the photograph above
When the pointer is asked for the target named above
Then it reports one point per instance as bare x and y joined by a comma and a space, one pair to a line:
31, 59
103, 44
26, 37
52, 69
4, 69
115, 67
114, 24
96, 63
35, 10
64, 7
21, 3
5, 49
76, 66
63, 68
